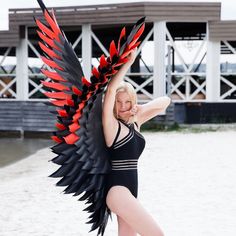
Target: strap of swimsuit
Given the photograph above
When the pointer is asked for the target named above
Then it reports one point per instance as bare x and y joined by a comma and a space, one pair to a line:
117, 134
127, 125
136, 124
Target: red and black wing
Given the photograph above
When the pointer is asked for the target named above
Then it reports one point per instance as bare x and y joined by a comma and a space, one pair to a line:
80, 144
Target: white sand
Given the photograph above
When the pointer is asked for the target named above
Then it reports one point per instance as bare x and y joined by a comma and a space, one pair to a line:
187, 181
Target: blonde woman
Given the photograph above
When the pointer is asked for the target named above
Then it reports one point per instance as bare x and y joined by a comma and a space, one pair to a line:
122, 118
78, 104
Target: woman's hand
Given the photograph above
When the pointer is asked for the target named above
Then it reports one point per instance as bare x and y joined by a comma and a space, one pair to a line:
132, 112
131, 57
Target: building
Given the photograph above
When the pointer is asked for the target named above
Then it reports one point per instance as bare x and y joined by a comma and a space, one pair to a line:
201, 92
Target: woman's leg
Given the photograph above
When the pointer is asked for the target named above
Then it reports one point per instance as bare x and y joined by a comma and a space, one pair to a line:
124, 229
124, 204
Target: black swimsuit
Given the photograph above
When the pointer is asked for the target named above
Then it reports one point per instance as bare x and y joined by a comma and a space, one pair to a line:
124, 156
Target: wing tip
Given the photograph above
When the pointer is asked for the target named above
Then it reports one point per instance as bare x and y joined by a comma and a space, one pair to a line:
42, 5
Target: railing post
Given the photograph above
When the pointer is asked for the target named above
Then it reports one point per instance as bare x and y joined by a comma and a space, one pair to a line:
212, 70
159, 70
22, 80
86, 50
169, 70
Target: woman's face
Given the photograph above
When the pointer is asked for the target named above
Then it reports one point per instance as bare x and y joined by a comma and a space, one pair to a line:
123, 104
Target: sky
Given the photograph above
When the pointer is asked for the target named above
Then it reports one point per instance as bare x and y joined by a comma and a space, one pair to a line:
228, 9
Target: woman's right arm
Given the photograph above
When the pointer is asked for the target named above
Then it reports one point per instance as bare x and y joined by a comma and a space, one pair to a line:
109, 122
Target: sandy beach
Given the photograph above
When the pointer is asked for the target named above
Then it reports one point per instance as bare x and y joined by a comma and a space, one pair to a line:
187, 181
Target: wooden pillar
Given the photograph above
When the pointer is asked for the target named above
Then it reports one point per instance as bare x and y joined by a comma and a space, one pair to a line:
213, 70
159, 70
86, 50
22, 80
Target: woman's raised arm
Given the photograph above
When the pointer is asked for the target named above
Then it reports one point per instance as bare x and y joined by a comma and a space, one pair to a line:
108, 120
151, 109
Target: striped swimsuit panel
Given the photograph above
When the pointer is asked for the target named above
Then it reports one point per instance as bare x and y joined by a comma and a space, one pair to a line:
124, 155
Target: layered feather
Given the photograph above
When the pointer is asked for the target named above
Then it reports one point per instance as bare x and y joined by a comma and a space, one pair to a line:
77, 102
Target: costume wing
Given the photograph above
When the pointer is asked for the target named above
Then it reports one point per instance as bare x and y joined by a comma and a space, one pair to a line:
80, 145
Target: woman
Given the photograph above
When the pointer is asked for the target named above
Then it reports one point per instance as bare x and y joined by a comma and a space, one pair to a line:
122, 119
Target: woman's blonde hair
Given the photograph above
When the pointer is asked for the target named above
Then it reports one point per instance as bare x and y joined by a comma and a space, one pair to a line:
129, 89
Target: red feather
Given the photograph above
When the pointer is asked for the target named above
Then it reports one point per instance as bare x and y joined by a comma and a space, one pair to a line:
88, 96
103, 62
57, 86
86, 82
105, 79
113, 72
62, 113
113, 50
48, 41
140, 31
60, 126
122, 35
121, 62
53, 25
76, 91
56, 139
70, 102
135, 45
81, 106
50, 52
125, 54
45, 29
95, 72
97, 86
58, 95
47, 50
52, 75
59, 103
71, 138
73, 127
76, 116
51, 63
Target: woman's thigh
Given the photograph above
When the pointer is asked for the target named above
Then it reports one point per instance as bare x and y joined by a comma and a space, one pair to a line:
124, 229
124, 204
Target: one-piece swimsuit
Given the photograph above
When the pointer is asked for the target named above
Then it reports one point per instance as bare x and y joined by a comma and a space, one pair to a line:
124, 155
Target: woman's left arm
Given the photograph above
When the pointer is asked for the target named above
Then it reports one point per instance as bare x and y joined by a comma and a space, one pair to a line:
151, 109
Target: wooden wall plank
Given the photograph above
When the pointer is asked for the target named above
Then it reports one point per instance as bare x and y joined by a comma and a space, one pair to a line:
222, 30
26, 115
35, 116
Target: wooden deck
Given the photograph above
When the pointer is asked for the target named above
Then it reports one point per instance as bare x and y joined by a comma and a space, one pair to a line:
35, 116
25, 116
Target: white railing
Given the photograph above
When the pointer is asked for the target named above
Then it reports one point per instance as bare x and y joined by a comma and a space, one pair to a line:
7, 78
184, 86
183, 83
